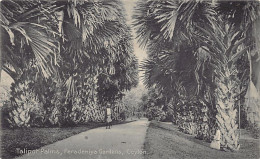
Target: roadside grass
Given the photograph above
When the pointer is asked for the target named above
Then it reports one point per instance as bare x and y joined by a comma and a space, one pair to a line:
13, 140
164, 141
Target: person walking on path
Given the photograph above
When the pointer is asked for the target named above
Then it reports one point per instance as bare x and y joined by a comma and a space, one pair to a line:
108, 118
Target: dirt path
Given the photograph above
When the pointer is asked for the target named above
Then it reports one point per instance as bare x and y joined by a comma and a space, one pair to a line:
121, 142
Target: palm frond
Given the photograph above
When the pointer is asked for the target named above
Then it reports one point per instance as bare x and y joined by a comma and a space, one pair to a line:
35, 34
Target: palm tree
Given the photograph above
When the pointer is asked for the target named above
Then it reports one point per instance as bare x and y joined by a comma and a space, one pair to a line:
215, 41
167, 30
28, 43
123, 76
234, 45
170, 50
91, 38
247, 17
26, 35
97, 46
101, 52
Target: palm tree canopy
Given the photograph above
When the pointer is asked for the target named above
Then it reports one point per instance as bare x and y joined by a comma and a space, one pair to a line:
30, 38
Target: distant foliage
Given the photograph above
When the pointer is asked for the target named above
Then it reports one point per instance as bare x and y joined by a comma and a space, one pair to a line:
155, 113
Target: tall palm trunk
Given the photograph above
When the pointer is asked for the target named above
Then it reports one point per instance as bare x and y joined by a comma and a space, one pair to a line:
227, 88
23, 101
253, 91
253, 97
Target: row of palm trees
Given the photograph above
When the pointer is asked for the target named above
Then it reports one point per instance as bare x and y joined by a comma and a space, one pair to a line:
202, 50
66, 56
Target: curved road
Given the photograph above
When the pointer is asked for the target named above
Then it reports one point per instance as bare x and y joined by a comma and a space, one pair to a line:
123, 141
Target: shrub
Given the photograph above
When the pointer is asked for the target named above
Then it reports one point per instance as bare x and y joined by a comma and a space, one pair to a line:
254, 129
169, 117
155, 113
123, 115
5, 110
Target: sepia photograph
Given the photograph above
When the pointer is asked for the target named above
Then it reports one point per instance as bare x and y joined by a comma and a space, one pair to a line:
130, 79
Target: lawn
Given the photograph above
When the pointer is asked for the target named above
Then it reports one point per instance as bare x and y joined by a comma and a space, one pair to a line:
164, 141
34, 138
